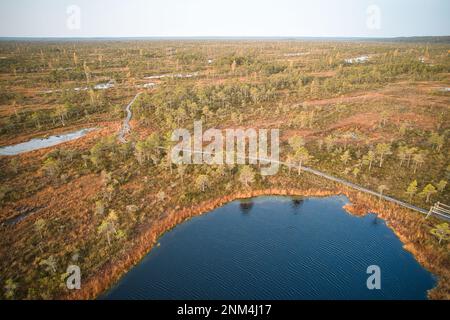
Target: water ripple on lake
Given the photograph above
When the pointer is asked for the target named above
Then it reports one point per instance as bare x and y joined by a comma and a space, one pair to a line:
275, 248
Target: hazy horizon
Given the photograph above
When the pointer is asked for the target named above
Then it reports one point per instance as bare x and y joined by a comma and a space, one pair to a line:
312, 38
218, 19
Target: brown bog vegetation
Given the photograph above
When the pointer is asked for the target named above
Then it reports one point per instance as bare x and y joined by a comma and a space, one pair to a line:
101, 203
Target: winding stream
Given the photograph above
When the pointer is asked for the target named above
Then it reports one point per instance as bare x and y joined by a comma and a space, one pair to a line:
39, 143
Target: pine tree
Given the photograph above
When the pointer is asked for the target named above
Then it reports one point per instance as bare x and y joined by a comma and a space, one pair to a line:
296, 142
441, 185
302, 157
202, 182
383, 149
428, 191
441, 231
108, 226
247, 175
346, 156
369, 158
412, 189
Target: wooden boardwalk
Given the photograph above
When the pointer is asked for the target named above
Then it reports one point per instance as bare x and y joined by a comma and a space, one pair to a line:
126, 122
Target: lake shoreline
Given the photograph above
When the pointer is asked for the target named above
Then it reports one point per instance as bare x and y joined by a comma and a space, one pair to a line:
399, 220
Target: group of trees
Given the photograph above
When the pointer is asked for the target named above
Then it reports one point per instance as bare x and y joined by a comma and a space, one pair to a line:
427, 191
66, 112
57, 161
246, 176
298, 155
149, 150
175, 106
355, 157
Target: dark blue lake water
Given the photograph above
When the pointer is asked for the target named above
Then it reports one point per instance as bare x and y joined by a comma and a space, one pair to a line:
276, 248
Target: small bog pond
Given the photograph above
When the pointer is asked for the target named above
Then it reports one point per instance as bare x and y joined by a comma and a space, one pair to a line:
276, 248
35, 144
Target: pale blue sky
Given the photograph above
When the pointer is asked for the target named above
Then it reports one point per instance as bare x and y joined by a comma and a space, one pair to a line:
180, 18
